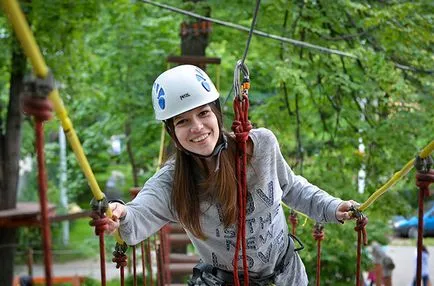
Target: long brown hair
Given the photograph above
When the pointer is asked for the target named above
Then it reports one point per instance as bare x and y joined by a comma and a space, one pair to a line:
189, 189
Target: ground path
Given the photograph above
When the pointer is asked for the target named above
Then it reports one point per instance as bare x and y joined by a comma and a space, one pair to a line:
403, 257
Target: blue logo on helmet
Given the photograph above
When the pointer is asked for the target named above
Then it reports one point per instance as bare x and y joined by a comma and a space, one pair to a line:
160, 96
203, 81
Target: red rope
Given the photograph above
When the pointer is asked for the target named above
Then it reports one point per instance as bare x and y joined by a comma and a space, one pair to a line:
100, 222
423, 180
293, 219
241, 127
41, 110
121, 260
148, 255
102, 257
318, 235
361, 223
142, 248
134, 266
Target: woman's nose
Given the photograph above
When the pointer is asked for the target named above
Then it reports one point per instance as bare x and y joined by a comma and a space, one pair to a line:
196, 125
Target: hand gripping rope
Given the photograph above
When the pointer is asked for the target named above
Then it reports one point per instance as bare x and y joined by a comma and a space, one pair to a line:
241, 127
36, 104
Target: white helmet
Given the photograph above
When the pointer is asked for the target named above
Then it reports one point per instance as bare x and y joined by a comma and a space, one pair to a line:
181, 89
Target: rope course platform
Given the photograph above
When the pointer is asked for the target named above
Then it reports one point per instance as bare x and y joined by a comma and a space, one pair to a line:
29, 214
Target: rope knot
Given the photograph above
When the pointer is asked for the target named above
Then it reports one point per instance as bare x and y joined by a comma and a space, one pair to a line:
293, 218
237, 127
119, 254
99, 221
318, 231
38, 107
361, 223
35, 93
120, 259
423, 180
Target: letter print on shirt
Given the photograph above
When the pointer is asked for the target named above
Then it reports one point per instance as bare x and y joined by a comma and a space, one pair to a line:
264, 221
280, 240
216, 263
250, 262
265, 257
268, 235
268, 199
250, 206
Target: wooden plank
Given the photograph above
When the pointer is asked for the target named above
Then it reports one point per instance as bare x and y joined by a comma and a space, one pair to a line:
193, 60
24, 209
28, 214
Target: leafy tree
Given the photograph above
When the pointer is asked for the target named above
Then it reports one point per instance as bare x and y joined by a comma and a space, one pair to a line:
105, 56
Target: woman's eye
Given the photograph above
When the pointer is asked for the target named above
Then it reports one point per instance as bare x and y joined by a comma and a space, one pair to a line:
203, 113
180, 122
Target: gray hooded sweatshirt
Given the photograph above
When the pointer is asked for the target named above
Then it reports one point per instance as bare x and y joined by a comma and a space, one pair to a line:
270, 180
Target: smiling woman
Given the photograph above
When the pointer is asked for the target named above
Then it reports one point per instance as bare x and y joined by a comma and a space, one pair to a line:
198, 187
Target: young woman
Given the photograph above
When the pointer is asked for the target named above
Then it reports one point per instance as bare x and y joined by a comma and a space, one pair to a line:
197, 188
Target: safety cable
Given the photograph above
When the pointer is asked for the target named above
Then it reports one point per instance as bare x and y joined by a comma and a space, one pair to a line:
252, 27
256, 32
278, 38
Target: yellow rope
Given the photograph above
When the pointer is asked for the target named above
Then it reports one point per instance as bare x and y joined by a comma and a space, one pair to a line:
161, 154
21, 28
398, 175
32, 51
300, 213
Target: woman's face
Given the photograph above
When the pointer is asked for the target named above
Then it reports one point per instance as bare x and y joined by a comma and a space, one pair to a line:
197, 130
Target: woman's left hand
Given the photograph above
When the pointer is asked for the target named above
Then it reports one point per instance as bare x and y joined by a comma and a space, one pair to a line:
343, 212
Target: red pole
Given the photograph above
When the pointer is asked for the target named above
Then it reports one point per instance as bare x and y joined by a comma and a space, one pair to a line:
42, 182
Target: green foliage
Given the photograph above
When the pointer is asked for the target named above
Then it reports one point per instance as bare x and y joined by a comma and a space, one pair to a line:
106, 54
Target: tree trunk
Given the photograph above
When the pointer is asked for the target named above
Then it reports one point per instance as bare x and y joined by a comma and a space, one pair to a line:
9, 162
194, 35
134, 167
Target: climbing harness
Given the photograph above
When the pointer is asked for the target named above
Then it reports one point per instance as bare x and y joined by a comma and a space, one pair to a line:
206, 274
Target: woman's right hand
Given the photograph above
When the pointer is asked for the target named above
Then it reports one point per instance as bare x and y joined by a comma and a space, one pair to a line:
106, 224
